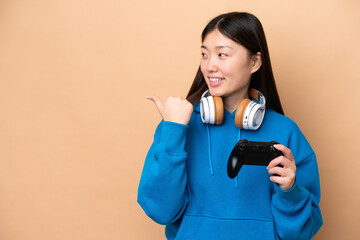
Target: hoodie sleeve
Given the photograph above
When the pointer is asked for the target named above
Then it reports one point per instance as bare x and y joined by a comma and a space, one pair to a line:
162, 191
296, 211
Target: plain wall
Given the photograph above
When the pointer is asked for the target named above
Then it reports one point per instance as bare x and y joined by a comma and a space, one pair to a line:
75, 125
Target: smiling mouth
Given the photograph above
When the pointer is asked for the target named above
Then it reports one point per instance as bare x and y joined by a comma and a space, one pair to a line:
215, 79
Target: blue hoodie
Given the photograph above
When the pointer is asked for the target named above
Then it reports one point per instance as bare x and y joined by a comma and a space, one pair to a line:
184, 183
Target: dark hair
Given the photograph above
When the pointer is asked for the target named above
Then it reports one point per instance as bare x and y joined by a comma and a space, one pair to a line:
245, 29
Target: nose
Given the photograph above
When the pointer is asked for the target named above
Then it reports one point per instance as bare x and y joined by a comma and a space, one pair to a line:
211, 65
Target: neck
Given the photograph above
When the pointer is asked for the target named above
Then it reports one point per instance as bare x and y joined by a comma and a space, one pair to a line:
232, 102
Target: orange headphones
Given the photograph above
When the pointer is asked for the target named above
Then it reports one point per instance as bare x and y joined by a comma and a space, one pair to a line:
249, 114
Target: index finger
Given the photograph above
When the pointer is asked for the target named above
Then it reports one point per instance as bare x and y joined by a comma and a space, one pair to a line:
286, 151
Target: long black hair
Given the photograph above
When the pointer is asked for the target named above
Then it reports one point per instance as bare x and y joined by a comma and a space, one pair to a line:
245, 29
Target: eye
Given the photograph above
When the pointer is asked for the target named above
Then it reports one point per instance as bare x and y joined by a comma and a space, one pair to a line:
222, 55
203, 55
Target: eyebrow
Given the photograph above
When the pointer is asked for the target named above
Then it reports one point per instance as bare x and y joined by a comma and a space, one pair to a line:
217, 47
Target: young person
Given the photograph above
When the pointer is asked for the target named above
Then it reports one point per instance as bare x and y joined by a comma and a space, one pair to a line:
184, 183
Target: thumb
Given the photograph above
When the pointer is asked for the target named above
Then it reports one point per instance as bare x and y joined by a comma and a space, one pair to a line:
158, 102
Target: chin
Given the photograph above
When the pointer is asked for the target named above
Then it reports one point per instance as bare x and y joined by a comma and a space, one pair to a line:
216, 93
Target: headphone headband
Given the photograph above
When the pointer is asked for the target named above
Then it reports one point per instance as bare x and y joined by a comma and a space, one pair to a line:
257, 96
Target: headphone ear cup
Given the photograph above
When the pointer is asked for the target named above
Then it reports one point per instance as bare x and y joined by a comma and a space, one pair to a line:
205, 110
240, 112
218, 110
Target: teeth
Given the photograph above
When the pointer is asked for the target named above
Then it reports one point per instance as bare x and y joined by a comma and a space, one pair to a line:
215, 79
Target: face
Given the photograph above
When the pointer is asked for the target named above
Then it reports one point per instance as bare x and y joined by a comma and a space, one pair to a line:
227, 66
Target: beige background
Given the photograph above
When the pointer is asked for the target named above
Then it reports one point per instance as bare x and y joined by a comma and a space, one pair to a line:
75, 126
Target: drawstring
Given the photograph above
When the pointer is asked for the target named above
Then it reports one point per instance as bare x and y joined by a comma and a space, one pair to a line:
236, 179
209, 151
210, 158
209, 147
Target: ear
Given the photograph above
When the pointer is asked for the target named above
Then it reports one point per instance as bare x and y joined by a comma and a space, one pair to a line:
256, 62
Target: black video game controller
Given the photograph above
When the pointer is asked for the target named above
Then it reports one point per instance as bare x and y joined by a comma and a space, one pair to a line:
251, 153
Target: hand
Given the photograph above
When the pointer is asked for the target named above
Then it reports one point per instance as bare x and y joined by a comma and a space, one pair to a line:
287, 172
173, 109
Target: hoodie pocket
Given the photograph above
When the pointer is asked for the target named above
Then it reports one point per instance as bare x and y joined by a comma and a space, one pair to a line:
195, 227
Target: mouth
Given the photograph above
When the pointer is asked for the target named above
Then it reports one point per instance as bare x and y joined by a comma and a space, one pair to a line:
215, 79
